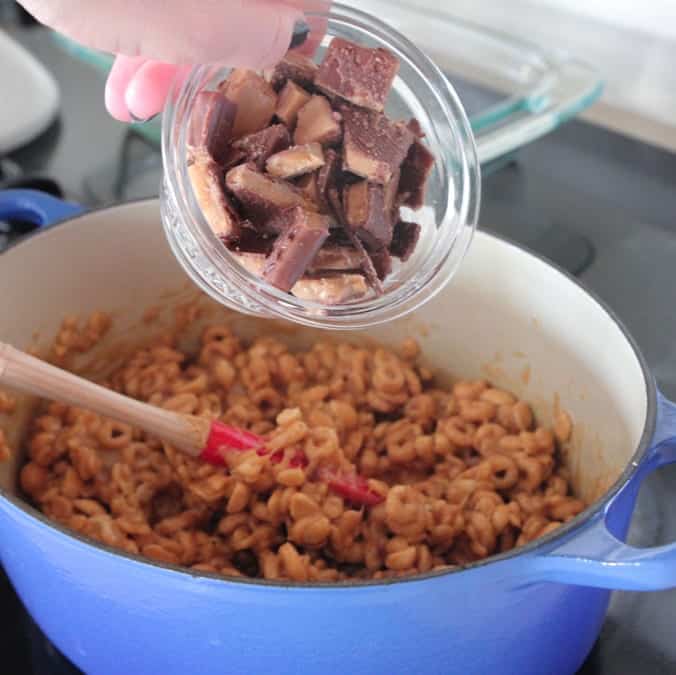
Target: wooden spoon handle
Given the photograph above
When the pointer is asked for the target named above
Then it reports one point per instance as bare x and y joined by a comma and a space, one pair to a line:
30, 375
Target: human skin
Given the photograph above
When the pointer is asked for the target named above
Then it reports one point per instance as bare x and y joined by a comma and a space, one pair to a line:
155, 41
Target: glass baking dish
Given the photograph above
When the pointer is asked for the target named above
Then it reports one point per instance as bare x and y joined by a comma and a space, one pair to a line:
519, 91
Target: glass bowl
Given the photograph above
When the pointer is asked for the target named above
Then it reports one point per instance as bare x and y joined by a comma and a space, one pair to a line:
448, 218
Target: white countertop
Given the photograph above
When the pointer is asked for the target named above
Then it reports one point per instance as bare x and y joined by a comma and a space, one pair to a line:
638, 64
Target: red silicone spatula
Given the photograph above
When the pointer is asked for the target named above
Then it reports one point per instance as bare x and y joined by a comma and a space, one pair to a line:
196, 436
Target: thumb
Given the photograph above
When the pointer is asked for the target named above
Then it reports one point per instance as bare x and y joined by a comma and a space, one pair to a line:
243, 33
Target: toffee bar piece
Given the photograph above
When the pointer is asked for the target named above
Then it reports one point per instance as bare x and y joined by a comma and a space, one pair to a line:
335, 258
261, 196
256, 101
291, 99
382, 263
328, 178
332, 289
295, 248
404, 240
293, 67
365, 214
415, 171
357, 74
373, 146
211, 123
307, 184
207, 183
317, 123
256, 148
296, 161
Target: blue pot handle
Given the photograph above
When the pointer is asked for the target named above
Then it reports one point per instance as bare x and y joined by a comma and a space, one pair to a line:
597, 557
36, 207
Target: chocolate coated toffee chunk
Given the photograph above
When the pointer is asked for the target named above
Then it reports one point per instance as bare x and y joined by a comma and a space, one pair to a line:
211, 124
256, 100
257, 147
317, 123
404, 240
373, 146
295, 248
357, 74
366, 216
207, 183
261, 195
296, 161
291, 99
302, 176
415, 171
293, 67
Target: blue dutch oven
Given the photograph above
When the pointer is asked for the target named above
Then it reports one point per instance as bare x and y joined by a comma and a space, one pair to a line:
537, 609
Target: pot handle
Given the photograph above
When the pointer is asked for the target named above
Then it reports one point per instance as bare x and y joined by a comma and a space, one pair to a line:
36, 207
597, 557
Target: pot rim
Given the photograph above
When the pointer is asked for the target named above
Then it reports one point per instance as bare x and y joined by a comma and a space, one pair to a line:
538, 545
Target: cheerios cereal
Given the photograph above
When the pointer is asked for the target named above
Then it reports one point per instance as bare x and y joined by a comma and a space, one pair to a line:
458, 473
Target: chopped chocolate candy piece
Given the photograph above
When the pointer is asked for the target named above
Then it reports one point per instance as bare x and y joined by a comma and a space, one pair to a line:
295, 67
366, 263
328, 177
296, 161
256, 148
404, 240
414, 174
317, 123
295, 248
365, 214
373, 146
382, 262
250, 240
332, 289
256, 101
307, 184
233, 157
335, 258
211, 122
414, 127
358, 74
262, 196
282, 220
390, 196
207, 182
291, 99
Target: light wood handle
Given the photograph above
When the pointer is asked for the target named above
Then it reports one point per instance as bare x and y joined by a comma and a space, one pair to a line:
30, 375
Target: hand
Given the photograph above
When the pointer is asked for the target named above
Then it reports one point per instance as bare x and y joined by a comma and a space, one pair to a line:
157, 40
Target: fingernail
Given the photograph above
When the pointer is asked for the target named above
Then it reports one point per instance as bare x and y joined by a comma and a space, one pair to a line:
140, 120
300, 32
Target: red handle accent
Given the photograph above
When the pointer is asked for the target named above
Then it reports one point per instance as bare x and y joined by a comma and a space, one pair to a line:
224, 436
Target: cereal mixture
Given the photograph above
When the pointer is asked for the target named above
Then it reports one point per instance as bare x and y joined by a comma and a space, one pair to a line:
463, 473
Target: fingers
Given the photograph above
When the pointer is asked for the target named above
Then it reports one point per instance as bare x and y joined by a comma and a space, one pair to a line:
119, 77
313, 9
148, 89
244, 33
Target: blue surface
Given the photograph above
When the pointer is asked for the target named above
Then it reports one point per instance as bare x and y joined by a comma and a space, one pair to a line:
534, 613
35, 207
